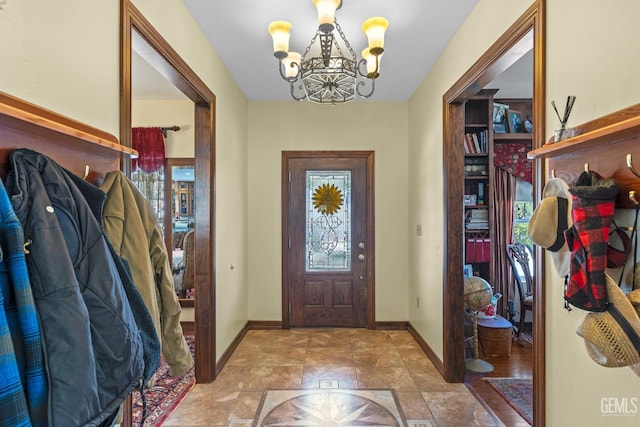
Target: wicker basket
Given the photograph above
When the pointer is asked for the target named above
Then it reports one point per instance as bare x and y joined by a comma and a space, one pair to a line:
495, 342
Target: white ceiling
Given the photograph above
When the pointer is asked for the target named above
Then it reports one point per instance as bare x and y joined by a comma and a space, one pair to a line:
418, 32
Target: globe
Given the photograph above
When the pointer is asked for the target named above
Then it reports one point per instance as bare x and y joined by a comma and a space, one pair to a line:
477, 293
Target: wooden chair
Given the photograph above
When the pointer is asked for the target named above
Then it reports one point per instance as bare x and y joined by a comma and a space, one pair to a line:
518, 255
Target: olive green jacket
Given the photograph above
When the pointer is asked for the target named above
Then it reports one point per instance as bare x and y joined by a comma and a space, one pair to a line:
132, 228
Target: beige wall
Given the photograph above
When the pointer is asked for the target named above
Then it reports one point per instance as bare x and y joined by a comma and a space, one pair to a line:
280, 126
602, 73
62, 58
66, 59
586, 57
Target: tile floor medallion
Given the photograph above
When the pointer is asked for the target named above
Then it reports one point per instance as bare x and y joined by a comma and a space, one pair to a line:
329, 408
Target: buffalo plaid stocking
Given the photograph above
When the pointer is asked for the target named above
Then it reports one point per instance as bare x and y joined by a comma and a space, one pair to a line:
592, 213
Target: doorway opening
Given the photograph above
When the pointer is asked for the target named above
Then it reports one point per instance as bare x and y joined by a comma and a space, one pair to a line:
526, 31
162, 57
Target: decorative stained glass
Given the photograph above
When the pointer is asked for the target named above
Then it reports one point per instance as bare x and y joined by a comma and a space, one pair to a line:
328, 221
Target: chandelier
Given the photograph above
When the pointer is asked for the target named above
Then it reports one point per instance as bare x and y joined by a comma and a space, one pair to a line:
323, 73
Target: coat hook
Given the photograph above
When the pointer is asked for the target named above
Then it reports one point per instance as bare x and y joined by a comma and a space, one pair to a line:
586, 167
632, 197
86, 172
630, 166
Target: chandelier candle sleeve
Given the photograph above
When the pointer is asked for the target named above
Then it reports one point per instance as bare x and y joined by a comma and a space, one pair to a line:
291, 65
374, 28
326, 13
373, 63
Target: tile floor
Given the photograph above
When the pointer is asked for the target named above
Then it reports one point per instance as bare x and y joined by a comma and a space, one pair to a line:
326, 377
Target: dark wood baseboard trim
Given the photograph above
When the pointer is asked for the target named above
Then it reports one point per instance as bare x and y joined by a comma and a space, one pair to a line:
229, 351
188, 327
392, 326
264, 324
427, 349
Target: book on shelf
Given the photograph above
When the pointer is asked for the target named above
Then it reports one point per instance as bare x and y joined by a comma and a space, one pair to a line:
476, 143
479, 214
478, 221
483, 226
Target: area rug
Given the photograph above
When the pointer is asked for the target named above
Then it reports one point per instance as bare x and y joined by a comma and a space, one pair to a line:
329, 407
166, 394
518, 392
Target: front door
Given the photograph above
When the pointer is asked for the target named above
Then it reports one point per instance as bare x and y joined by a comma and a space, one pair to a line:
328, 239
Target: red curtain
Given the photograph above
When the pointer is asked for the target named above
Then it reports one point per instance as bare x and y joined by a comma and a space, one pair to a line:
513, 159
504, 196
149, 143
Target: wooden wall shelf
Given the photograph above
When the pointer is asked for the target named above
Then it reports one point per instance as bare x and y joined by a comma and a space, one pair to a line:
81, 149
501, 137
602, 146
30, 113
614, 132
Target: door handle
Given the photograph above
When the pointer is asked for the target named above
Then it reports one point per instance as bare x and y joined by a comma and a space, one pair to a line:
361, 257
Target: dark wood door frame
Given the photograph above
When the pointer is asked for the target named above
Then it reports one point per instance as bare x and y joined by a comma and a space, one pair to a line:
167, 61
370, 238
504, 52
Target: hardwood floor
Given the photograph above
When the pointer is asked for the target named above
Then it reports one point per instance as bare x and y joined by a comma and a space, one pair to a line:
519, 365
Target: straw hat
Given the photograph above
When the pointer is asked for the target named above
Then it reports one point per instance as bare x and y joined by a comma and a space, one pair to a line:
607, 342
632, 278
549, 221
634, 297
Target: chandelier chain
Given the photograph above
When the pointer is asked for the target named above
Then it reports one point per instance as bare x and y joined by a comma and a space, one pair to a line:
313, 40
346, 42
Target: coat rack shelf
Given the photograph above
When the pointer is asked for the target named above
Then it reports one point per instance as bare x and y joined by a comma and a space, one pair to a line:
83, 150
601, 145
17, 109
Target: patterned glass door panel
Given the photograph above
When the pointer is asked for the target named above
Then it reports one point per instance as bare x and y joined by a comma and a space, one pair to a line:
328, 221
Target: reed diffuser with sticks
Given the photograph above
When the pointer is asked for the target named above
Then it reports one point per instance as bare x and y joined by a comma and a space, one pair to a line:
563, 132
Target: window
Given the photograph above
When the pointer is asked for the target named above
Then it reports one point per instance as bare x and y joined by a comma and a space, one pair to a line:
522, 211
151, 185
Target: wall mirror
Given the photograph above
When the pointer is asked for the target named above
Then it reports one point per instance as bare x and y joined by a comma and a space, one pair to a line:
180, 192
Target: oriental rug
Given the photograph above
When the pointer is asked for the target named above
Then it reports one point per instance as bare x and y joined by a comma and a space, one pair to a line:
518, 392
166, 394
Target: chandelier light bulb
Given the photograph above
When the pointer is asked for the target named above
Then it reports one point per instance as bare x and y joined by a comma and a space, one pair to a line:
280, 32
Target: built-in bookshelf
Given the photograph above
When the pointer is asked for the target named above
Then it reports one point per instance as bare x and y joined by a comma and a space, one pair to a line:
478, 168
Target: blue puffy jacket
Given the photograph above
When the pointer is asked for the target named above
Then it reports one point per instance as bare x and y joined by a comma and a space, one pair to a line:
91, 342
